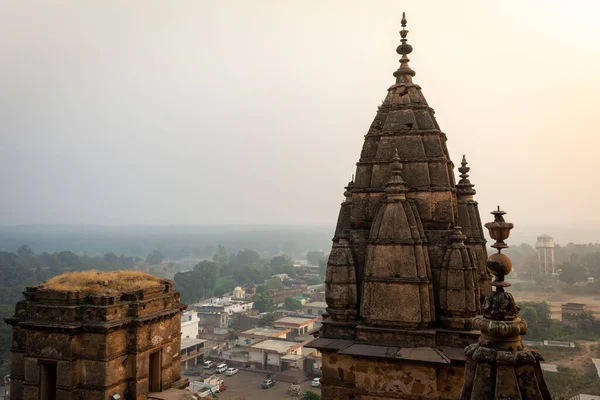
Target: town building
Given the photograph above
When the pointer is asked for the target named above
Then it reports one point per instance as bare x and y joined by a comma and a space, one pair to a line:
300, 298
96, 335
407, 269
278, 295
312, 290
545, 252
239, 293
299, 326
254, 335
192, 352
576, 316
189, 324
281, 277
316, 308
223, 304
213, 319
274, 355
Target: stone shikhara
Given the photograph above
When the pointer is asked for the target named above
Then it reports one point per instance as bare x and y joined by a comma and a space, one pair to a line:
407, 271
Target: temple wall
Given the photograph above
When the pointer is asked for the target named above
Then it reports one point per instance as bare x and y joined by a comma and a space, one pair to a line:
350, 377
94, 355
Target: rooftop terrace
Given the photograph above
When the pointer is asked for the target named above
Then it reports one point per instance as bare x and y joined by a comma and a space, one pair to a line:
101, 282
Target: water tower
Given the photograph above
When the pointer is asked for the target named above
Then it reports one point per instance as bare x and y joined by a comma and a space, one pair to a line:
545, 251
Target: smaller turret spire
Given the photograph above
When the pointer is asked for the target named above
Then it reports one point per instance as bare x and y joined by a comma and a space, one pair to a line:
403, 49
464, 186
348, 191
395, 188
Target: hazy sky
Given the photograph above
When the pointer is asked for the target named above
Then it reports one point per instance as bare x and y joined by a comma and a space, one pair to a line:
254, 111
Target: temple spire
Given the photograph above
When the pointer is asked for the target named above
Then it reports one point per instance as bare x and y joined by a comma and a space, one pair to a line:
395, 188
404, 49
464, 186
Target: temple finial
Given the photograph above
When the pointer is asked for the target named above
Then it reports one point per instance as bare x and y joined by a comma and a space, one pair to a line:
464, 170
464, 186
404, 49
395, 187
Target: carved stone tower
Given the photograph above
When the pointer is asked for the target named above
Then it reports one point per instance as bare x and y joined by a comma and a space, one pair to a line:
97, 336
403, 281
499, 366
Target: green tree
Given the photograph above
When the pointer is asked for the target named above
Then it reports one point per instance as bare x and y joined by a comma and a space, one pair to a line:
221, 258
262, 302
310, 395
274, 284
111, 258
591, 262
291, 304
155, 258
24, 251
248, 275
223, 285
243, 258
283, 265
530, 315
198, 283
572, 273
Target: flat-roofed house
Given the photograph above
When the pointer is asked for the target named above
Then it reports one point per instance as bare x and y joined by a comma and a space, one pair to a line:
254, 335
299, 325
192, 352
270, 354
316, 308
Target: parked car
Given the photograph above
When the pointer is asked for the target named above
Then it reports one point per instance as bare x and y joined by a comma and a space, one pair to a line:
221, 368
267, 383
231, 371
208, 364
316, 382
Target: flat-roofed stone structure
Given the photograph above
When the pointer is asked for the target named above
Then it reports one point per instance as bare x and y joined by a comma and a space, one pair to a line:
93, 335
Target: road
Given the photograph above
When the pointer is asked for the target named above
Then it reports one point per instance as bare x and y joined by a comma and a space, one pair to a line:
246, 385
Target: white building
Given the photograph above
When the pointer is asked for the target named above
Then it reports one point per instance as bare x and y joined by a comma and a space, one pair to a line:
192, 352
316, 308
189, 325
226, 304
254, 335
298, 325
239, 293
269, 353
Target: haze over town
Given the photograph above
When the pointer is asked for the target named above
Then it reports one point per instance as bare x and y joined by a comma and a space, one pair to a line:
254, 112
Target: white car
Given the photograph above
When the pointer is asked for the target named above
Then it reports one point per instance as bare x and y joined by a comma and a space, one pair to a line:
316, 382
231, 371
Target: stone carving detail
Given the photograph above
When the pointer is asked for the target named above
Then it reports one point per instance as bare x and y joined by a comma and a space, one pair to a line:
50, 352
156, 340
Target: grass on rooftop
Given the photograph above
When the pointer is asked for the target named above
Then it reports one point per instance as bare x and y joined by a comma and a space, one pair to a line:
101, 282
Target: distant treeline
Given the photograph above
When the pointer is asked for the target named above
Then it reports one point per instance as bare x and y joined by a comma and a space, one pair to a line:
574, 262
245, 267
24, 268
175, 242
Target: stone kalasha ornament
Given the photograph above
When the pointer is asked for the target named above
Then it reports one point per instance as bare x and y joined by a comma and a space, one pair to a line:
499, 366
